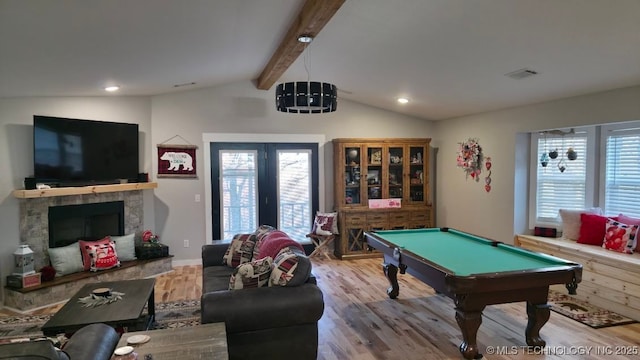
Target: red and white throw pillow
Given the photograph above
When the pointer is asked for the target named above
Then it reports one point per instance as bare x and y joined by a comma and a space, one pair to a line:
103, 256
620, 237
240, 250
325, 224
84, 250
251, 275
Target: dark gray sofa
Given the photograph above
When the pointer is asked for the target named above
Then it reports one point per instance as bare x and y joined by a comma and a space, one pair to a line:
95, 342
279, 322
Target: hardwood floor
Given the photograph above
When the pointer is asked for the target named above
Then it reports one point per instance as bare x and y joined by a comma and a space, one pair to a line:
361, 322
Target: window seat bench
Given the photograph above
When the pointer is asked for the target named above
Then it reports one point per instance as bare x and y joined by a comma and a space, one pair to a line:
610, 280
63, 287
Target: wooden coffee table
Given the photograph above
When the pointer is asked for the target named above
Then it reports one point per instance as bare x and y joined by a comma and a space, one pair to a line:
207, 341
124, 314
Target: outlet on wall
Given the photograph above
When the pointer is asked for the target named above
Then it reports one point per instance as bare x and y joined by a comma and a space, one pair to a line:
186, 243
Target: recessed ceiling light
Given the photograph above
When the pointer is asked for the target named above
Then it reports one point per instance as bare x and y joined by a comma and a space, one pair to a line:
112, 88
403, 100
304, 38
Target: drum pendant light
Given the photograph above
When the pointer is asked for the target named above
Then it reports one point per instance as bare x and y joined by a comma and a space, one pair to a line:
306, 97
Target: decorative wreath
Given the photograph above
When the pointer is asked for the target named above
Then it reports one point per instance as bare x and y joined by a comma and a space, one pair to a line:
470, 158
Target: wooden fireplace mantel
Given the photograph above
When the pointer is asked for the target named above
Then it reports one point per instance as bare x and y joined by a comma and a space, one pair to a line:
82, 190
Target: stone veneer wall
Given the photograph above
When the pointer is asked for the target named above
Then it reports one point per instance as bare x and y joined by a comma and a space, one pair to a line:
34, 217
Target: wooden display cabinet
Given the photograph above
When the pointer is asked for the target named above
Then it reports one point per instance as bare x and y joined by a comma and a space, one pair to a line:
382, 170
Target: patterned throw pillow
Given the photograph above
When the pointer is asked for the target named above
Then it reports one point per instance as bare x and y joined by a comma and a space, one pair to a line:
260, 234
251, 275
325, 223
620, 237
103, 256
84, 249
240, 250
289, 269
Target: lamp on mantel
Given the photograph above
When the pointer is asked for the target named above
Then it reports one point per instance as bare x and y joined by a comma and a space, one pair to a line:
306, 97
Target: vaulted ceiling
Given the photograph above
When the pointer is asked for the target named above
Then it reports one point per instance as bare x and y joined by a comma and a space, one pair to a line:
449, 57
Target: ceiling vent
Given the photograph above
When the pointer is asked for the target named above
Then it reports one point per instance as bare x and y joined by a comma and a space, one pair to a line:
521, 74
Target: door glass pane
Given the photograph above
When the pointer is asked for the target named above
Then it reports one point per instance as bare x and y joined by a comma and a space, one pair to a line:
294, 193
238, 192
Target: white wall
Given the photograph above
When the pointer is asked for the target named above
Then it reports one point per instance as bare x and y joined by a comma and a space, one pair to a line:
16, 150
240, 108
502, 213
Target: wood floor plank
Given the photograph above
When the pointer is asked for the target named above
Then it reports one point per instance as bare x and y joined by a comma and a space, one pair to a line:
360, 321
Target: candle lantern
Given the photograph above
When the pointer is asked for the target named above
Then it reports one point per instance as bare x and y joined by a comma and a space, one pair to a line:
23, 261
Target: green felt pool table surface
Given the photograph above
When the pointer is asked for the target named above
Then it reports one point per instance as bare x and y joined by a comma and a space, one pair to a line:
465, 254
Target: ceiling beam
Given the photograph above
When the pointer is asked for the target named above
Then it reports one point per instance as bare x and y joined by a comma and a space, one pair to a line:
313, 16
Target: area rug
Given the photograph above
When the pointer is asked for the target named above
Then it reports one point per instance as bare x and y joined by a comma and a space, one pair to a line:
584, 312
168, 315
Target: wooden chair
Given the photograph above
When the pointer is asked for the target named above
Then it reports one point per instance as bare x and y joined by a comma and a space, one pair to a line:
321, 243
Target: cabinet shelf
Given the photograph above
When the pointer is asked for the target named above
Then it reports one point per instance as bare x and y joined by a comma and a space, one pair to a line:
82, 190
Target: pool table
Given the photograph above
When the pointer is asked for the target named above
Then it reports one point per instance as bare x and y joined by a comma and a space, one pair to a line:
475, 272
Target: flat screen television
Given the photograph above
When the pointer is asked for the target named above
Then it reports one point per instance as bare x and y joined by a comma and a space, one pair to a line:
69, 152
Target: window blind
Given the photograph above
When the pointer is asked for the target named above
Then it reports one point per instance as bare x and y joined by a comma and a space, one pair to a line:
558, 189
622, 176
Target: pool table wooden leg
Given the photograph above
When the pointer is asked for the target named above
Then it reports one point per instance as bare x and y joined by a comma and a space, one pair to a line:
538, 316
391, 272
469, 321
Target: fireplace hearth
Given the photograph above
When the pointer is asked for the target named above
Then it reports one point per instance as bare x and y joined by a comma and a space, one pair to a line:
94, 221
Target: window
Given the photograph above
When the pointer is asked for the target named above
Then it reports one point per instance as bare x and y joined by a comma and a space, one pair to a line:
622, 171
557, 182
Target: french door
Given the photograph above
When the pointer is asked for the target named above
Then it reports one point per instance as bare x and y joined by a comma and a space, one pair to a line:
255, 184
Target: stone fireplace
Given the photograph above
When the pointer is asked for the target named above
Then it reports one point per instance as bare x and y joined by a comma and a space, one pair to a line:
75, 216
106, 205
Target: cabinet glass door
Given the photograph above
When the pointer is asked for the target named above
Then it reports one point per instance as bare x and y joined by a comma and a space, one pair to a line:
352, 175
396, 160
417, 174
374, 173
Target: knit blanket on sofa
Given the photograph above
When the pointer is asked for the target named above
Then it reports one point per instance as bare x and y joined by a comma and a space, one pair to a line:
272, 243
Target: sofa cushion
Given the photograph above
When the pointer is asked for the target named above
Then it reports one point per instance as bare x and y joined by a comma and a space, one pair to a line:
66, 259
290, 268
272, 243
32, 350
240, 250
216, 278
620, 237
251, 275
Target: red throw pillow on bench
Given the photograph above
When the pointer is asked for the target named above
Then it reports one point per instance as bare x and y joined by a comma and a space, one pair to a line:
592, 229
